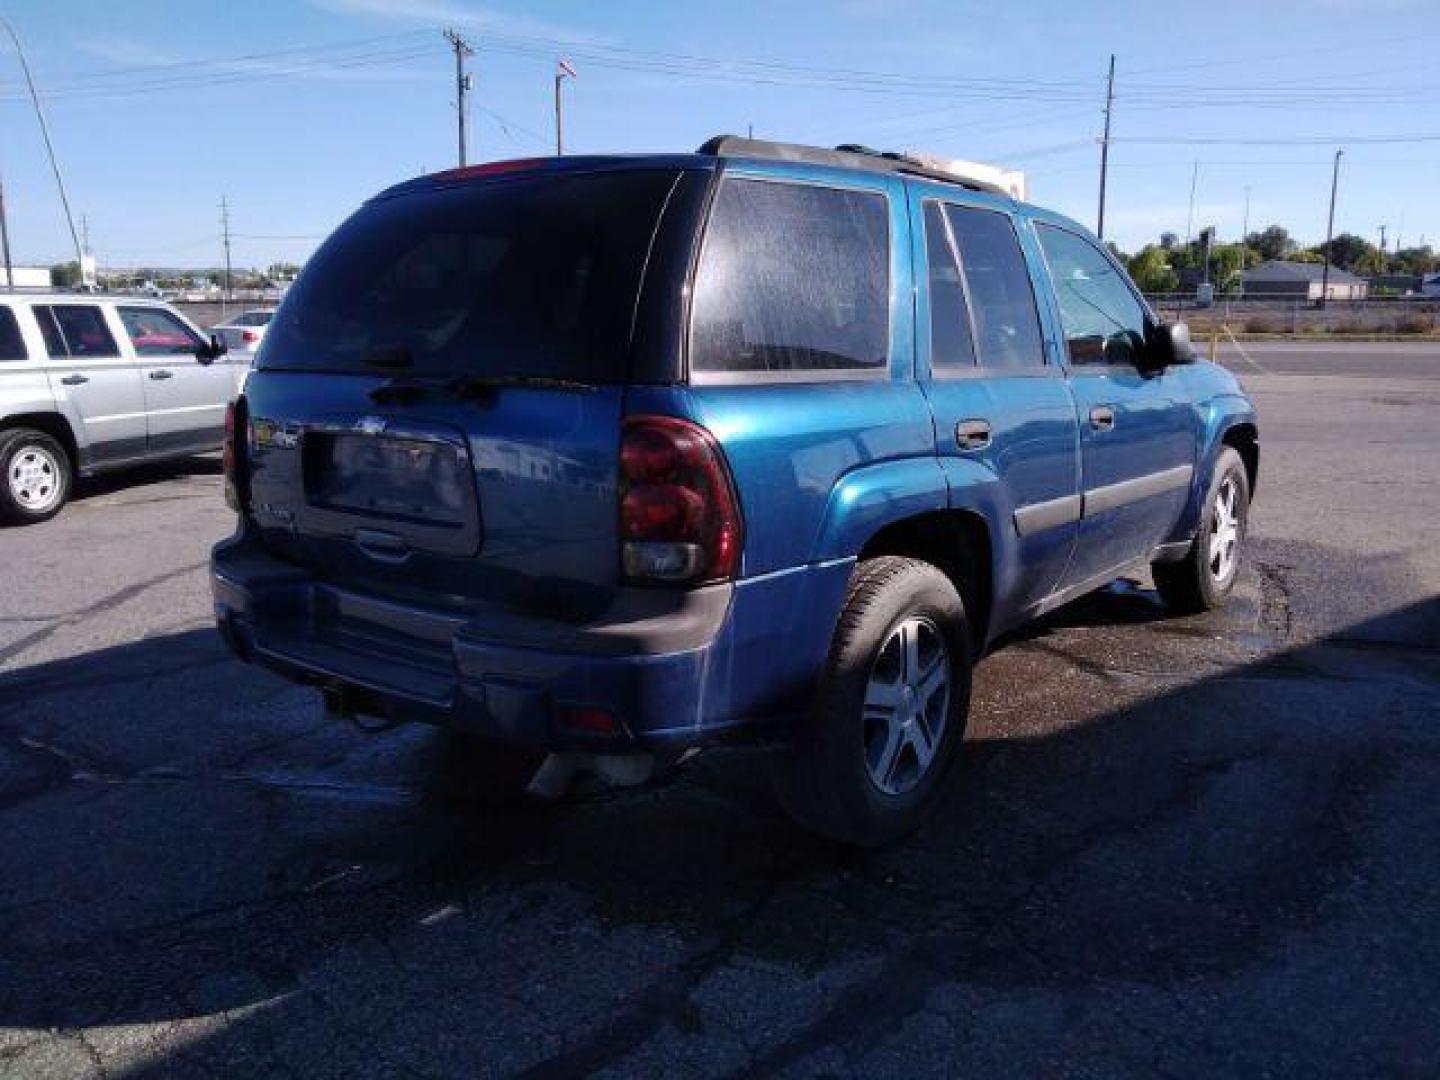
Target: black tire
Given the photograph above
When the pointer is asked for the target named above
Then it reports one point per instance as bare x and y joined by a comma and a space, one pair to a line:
1192, 584
463, 769
20, 448
824, 777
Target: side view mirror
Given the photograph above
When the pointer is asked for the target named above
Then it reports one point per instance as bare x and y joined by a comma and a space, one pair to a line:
1166, 344
209, 353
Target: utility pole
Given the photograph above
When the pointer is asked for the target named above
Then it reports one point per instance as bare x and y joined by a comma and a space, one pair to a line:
462, 84
5, 240
1330, 230
85, 233
1190, 217
45, 134
1382, 237
1245, 226
225, 232
563, 71
1105, 147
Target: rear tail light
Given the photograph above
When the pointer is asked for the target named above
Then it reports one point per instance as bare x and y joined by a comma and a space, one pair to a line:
249, 337
232, 455
679, 517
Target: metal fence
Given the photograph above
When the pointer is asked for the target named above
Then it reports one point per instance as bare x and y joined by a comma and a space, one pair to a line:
1280, 315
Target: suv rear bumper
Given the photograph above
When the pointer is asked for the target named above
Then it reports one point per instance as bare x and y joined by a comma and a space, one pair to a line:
674, 668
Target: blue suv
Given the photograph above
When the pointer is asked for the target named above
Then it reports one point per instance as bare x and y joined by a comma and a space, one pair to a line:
591, 461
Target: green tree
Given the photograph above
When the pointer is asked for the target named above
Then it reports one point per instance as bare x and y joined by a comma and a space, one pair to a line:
1416, 260
1150, 267
1272, 243
1350, 252
65, 275
1227, 261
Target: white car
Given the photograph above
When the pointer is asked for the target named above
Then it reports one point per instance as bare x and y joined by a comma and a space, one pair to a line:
90, 383
245, 331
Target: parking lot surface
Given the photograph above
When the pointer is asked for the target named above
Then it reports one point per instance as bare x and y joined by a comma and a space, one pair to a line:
1174, 847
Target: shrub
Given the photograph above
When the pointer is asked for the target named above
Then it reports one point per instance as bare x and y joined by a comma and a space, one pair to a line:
1262, 324
1414, 323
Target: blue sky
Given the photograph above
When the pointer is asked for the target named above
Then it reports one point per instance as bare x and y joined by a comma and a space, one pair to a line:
159, 108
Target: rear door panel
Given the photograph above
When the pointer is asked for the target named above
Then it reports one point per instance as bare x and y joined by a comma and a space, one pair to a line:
99, 381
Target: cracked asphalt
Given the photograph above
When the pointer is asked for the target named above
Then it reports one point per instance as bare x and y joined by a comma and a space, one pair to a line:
1175, 847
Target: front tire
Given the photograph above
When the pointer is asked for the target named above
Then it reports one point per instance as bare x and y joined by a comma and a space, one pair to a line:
870, 759
35, 476
1205, 577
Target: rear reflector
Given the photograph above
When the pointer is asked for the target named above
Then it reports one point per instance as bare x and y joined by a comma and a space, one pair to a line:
589, 719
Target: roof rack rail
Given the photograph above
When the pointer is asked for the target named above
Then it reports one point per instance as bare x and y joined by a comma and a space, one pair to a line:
855, 156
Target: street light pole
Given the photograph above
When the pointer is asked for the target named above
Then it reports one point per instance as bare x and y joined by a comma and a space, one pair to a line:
45, 133
5, 240
1330, 230
563, 71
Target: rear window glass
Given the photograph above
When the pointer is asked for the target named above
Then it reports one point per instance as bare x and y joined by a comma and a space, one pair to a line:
532, 277
12, 345
793, 279
77, 330
1007, 325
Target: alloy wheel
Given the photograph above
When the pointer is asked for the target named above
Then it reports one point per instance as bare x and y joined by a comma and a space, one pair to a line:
907, 705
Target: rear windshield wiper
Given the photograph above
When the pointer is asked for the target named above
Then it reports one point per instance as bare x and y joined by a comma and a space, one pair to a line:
465, 387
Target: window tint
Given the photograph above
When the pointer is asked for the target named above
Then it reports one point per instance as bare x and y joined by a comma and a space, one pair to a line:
12, 345
82, 331
951, 345
793, 278
529, 277
1007, 326
1104, 322
156, 332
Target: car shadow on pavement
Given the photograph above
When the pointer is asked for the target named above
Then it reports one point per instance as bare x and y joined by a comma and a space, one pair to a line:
1226, 873
122, 480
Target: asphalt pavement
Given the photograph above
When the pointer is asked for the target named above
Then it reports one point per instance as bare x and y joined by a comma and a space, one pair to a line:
1175, 846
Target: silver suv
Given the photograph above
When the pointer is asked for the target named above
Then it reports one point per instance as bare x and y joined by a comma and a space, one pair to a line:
95, 383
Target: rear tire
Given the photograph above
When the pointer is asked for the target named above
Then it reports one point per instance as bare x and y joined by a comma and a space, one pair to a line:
870, 759
1205, 577
35, 474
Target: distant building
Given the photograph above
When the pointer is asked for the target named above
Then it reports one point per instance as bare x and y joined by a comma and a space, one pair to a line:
1402, 284
1302, 281
26, 277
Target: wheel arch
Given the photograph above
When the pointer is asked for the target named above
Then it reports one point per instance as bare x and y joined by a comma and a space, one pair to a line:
1244, 438
52, 424
959, 544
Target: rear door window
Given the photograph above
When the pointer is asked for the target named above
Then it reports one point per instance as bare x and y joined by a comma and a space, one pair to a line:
794, 280
536, 276
76, 330
1007, 324
156, 332
952, 343
12, 345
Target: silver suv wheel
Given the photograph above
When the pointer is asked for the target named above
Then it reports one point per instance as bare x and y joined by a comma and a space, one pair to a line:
35, 479
907, 702
1225, 530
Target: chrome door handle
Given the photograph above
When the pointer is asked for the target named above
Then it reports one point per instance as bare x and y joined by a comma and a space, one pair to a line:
75, 380
161, 374
972, 434
1102, 418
